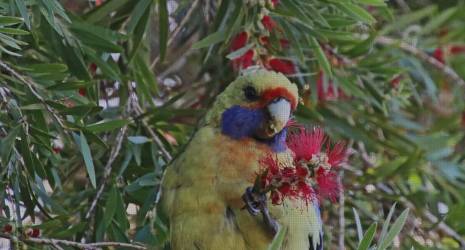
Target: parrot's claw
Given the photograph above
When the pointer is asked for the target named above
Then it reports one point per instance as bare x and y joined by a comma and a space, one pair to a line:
255, 204
270, 222
253, 201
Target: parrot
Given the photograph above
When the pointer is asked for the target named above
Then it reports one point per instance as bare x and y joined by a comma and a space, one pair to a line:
202, 189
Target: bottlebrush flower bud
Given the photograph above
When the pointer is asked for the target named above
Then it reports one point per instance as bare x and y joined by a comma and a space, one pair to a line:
268, 23
239, 41
33, 232
57, 145
457, 49
7, 228
244, 61
82, 91
439, 55
284, 66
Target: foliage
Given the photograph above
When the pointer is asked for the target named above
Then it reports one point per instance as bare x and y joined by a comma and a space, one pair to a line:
97, 96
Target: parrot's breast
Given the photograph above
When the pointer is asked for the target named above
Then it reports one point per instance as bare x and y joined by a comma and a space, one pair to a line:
202, 194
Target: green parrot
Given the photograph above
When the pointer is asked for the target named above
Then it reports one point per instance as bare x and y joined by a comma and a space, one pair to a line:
203, 188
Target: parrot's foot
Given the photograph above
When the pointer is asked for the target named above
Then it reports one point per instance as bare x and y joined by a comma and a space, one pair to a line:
253, 201
255, 204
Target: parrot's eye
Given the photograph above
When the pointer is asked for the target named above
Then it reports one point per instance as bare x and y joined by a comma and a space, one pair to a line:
250, 93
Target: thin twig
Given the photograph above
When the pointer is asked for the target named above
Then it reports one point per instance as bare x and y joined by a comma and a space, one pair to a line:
107, 170
166, 155
56, 242
30, 86
176, 31
443, 68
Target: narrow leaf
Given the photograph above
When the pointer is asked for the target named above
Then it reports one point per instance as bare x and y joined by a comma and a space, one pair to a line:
85, 150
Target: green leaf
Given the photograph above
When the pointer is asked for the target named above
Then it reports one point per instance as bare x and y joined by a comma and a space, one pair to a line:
7, 144
110, 206
10, 20
387, 222
104, 11
278, 239
378, 3
103, 126
320, 55
47, 68
409, 18
355, 11
395, 230
139, 32
24, 13
138, 139
438, 21
368, 237
210, 40
12, 31
137, 14
240, 52
89, 162
163, 27
358, 224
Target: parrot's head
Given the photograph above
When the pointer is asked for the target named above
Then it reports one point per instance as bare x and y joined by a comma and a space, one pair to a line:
258, 105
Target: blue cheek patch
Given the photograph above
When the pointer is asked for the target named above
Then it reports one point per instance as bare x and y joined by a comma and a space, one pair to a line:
238, 122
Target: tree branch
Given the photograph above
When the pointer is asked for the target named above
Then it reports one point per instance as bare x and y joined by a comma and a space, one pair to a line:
420, 54
57, 242
107, 170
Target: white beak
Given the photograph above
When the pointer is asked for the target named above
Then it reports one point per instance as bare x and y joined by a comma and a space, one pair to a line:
280, 111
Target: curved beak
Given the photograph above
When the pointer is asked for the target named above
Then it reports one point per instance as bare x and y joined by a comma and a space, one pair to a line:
280, 112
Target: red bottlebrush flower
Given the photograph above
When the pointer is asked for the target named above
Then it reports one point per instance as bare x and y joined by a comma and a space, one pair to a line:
275, 2
305, 191
336, 155
330, 93
302, 172
328, 184
243, 61
82, 91
284, 66
265, 40
395, 81
284, 43
306, 143
7, 228
268, 23
288, 172
293, 124
239, 41
457, 49
93, 68
439, 55
98, 2
276, 197
286, 189
33, 232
